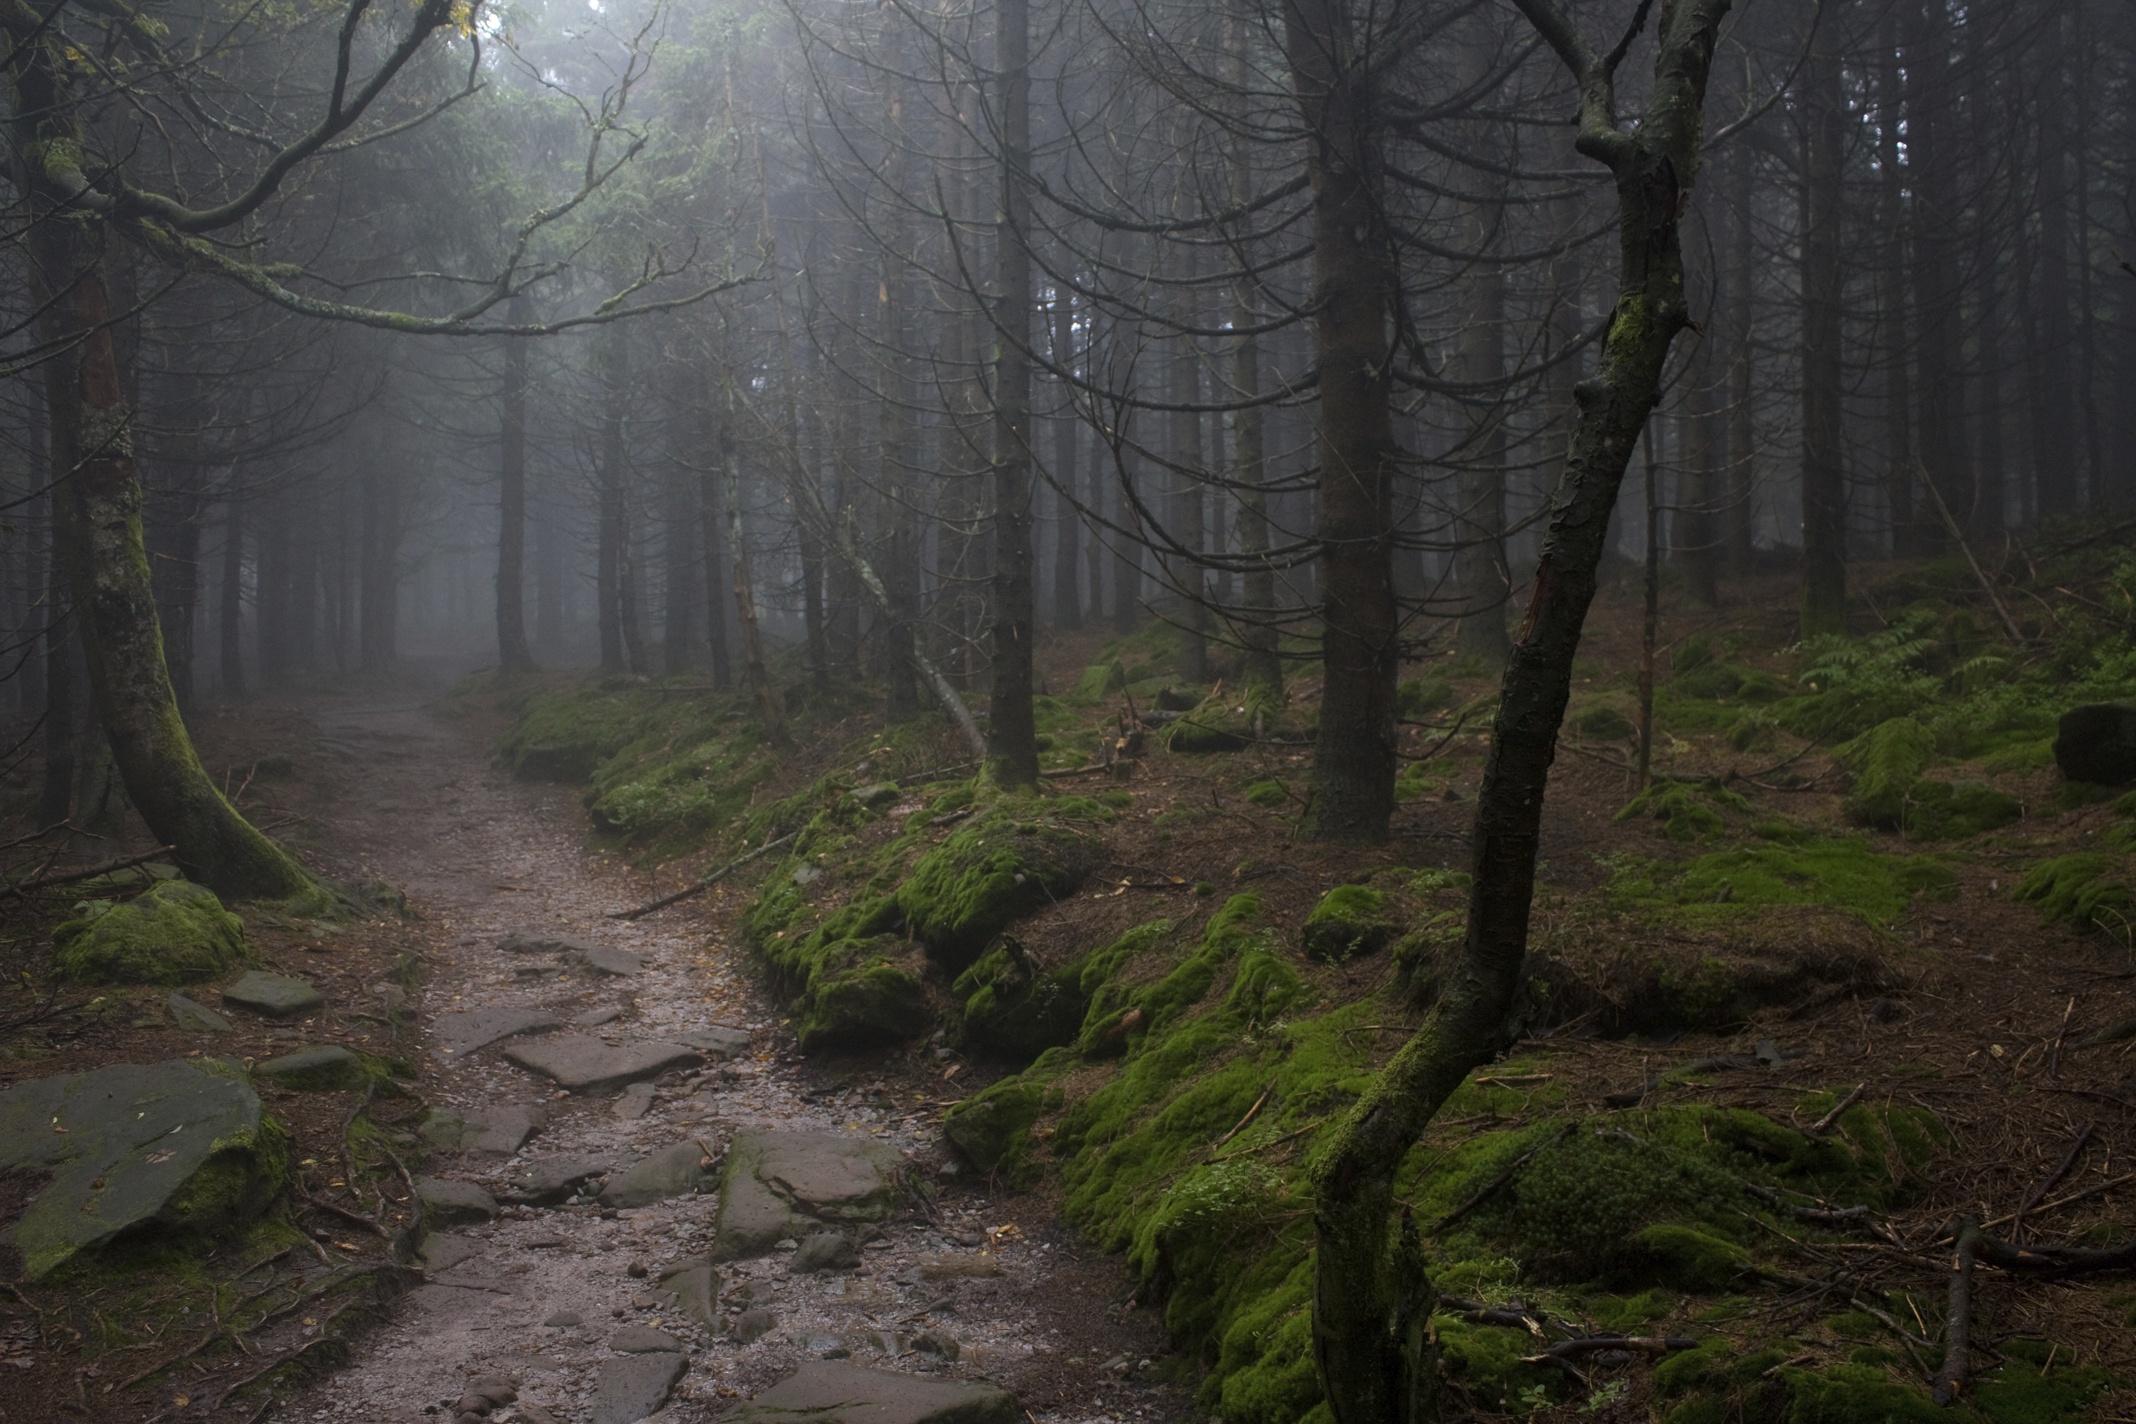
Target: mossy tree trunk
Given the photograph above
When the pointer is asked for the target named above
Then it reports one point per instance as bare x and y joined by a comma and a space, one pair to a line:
101, 545
1372, 1301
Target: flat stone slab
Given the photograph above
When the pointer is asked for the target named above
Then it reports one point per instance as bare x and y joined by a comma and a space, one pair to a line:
634, 1386
694, 1285
642, 1340
274, 996
464, 1033
449, 1203
542, 944
581, 1063
122, 1145
546, 1183
671, 1172
195, 1017
780, 1185
502, 1131
718, 1044
600, 959
840, 1392
316, 1067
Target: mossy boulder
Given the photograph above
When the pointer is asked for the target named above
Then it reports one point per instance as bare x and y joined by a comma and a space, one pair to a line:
176, 933
2088, 887
992, 1129
989, 875
1015, 1010
864, 993
322, 1068
133, 1148
1350, 920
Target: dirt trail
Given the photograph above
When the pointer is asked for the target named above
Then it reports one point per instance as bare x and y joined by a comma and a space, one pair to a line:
482, 858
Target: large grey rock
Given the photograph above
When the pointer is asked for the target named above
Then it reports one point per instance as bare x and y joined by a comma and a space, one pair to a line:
782, 1184
448, 1203
317, 1068
839, 1392
134, 1145
274, 996
464, 1033
754, 1324
601, 959
582, 1063
195, 1017
633, 1386
502, 1131
825, 1251
719, 1044
546, 1183
671, 1172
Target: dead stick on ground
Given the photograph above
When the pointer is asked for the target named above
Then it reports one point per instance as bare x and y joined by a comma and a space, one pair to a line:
1824, 1124
95, 870
1980, 575
2054, 1059
2049, 1183
1251, 1113
703, 884
2060, 1202
1958, 1320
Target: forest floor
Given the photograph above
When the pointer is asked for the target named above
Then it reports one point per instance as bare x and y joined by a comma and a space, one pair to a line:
1803, 1044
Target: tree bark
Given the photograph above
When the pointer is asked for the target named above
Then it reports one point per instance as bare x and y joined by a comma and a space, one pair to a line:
1824, 474
754, 668
1012, 732
2054, 446
1067, 557
1893, 313
230, 601
1372, 1301
1741, 538
514, 657
679, 541
114, 601
1353, 293
613, 535
712, 508
1260, 664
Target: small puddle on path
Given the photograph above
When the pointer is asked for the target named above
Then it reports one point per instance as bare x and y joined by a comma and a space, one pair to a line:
562, 1304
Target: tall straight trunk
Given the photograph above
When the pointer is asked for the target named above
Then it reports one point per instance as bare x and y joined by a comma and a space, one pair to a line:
39, 558
378, 641
174, 531
611, 553
270, 609
1741, 537
712, 508
1481, 574
56, 796
1824, 478
230, 603
754, 667
514, 657
2054, 447
1937, 297
1067, 557
1691, 540
113, 597
1372, 1301
1012, 730
548, 587
1353, 295
679, 539
1892, 312
1989, 493
1188, 514
894, 444
1260, 663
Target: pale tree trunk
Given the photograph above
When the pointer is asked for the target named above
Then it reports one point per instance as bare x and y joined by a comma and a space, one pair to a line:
1011, 734
1353, 296
1188, 514
1067, 558
678, 531
1372, 1301
514, 658
755, 670
712, 509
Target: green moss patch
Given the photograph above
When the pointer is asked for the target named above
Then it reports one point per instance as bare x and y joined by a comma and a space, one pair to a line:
1349, 920
1687, 811
991, 873
176, 933
2085, 887
1791, 868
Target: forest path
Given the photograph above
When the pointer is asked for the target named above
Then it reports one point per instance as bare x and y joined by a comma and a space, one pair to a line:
537, 1295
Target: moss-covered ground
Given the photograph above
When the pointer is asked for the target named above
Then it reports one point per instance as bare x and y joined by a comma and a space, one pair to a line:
1833, 965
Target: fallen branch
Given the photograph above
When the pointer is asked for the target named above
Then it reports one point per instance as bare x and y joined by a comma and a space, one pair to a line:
1633, 1097
1958, 1319
1251, 1113
71, 876
2057, 1260
2050, 1182
1824, 1124
1512, 1170
1595, 1344
703, 884
2091, 1191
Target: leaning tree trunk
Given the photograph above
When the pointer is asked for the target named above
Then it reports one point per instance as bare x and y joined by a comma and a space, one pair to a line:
1372, 1301
1353, 297
1012, 733
115, 604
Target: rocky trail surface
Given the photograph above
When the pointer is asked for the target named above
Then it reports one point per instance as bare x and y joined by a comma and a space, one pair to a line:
644, 1204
